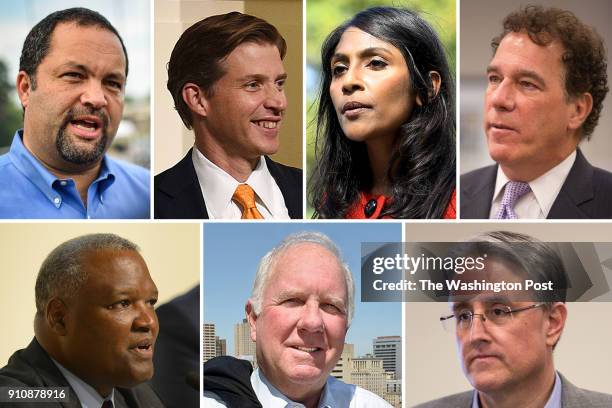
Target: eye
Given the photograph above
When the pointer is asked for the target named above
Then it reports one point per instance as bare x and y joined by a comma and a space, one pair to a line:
331, 308
463, 316
152, 302
292, 302
530, 86
494, 79
377, 64
253, 86
115, 84
122, 304
280, 84
72, 75
338, 70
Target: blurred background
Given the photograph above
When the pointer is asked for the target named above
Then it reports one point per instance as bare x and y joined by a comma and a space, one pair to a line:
481, 20
131, 19
323, 16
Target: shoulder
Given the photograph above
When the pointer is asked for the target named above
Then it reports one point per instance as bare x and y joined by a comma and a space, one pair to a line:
140, 396
461, 400
131, 170
184, 168
476, 176
286, 171
602, 180
574, 397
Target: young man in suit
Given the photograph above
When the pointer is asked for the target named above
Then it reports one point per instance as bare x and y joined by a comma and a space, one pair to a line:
226, 77
95, 326
546, 85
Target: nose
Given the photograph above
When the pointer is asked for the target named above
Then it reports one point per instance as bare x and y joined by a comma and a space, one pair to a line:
276, 100
145, 319
478, 328
501, 97
352, 81
93, 95
311, 319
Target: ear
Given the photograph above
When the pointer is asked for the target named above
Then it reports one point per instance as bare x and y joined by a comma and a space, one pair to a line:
436, 80
24, 87
252, 318
55, 316
580, 108
195, 99
556, 322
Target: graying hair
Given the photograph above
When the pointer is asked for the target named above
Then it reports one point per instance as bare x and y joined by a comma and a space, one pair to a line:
267, 262
62, 274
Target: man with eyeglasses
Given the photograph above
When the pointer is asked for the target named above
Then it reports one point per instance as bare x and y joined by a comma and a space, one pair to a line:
506, 339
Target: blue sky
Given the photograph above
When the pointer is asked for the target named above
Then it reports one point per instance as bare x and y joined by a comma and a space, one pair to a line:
232, 252
130, 18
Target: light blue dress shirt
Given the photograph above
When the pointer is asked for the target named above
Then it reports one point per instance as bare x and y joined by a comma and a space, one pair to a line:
29, 190
336, 394
88, 396
554, 401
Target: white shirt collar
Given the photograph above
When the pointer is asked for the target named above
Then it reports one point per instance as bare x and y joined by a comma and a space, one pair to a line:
544, 189
87, 395
271, 397
218, 188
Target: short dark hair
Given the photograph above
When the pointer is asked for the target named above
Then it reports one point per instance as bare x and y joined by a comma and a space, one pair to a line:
584, 57
198, 54
38, 41
62, 273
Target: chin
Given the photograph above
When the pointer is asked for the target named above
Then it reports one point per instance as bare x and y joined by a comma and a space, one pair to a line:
307, 375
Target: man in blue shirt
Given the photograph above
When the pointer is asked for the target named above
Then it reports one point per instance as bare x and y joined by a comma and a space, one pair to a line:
71, 83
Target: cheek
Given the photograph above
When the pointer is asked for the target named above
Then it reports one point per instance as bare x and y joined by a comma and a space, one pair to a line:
336, 329
335, 93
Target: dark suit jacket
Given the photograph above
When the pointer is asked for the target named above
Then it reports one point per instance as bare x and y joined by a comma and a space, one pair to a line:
571, 397
177, 350
586, 193
178, 193
32, 367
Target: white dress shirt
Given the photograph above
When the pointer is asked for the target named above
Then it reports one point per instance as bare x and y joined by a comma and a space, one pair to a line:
87, 395
537, 203
218, 188
336, 394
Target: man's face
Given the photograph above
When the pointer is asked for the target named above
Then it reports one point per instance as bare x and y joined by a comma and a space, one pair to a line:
73, 112
301, 328
245, 111
111, 322
503, 357
527, 113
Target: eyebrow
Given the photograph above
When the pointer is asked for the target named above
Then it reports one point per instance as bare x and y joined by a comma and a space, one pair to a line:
367, 52
262, 78
521, 73
118, 74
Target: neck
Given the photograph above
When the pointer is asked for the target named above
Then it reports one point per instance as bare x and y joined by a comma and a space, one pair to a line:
528, 172
240, 168
535, 394
379, 154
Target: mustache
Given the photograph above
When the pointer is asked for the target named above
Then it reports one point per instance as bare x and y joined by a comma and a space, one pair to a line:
77, 111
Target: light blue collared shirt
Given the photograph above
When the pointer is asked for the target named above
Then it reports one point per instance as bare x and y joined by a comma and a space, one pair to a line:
554, 401
88, 397
335, 394
29, 190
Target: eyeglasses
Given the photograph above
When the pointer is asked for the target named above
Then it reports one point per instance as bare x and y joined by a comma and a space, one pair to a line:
498, 316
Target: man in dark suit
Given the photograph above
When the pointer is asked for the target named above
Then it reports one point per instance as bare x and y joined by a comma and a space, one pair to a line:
506, 339
177, 351
546, 85
95, 326
226, 77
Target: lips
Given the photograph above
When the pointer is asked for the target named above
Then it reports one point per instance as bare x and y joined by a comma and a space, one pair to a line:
500, 126
143, 348
306, 349
354, 106
86, 126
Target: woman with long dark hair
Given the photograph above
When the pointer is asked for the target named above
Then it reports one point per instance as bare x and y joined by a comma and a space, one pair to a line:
385, 145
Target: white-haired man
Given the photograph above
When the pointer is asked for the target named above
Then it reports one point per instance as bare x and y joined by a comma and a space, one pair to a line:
299, 312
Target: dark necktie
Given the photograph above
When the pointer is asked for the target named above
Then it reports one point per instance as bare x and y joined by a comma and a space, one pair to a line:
107, 404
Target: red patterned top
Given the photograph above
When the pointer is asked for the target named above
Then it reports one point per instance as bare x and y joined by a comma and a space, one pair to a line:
369, 206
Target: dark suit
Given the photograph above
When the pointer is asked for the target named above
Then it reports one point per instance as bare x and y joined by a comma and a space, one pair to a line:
586, 193
32, 367
178, 193
177, 350
571, 397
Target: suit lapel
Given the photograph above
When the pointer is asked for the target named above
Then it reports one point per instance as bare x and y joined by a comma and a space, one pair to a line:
577, 190
291, 194
477, 193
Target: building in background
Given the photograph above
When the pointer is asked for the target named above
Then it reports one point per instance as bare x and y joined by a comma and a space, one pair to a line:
389, 349
244, 347
209, 344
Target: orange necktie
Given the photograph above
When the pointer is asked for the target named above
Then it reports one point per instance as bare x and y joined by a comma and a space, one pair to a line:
244, 196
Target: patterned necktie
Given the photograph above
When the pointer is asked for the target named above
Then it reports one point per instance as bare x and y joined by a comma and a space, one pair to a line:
514, 190
244, 196
107, 404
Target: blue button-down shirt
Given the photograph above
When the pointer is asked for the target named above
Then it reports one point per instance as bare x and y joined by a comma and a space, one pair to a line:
29, 190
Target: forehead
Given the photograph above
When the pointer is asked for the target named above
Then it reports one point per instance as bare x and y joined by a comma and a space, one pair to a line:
306, 266
355, 41
253, 59
90, 44
516, 52
116, 270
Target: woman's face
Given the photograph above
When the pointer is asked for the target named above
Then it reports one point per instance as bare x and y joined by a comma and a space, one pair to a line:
370, 87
